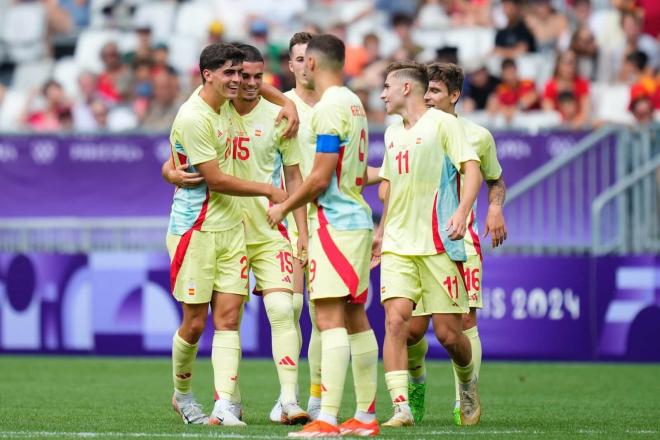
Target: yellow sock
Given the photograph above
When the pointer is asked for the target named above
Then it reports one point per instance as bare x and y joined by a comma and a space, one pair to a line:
236, 397
298, 300
314, 356
225, 357
364, 361
183, 358
334, 363
475, 343
279, 308
417, 360
397, 385
463, 374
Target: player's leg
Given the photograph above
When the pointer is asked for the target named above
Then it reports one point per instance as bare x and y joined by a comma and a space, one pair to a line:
417, 349
400, 291
446, 298
472, 276
230, 291
364, 363
191, 289
272, 265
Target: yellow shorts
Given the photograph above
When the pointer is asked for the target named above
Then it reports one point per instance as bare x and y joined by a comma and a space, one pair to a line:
339, 264
433, 282
272, 265
206, 262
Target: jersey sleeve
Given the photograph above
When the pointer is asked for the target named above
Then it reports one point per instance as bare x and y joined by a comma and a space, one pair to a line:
384, 171
197, 139
289, 148
455, 143
490, 166
330, 128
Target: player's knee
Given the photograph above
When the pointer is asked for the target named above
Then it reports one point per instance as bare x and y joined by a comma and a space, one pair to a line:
194, 327
280, 313
448, 337
397, 325
228, 320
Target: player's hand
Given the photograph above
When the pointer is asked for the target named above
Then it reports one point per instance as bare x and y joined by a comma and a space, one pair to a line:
275, 215
277, 195
376, 249
495, 225
301, 251
457, 225
289, 113
183, 179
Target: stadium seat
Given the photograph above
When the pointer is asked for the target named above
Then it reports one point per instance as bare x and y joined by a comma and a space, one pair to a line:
121, 119
32, 74
534, 121
24, 31
66, 72
429, 39
184, 52
193, 19
472, 43
610, 102
88, 49
11, 109
159, 15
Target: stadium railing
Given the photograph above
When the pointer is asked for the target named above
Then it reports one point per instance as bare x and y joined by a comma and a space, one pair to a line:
600, 197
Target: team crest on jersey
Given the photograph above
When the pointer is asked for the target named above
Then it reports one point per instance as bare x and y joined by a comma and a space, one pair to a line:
257, 132
191, 288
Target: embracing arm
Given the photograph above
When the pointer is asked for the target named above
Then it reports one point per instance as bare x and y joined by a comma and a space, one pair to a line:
288, 111
226, 184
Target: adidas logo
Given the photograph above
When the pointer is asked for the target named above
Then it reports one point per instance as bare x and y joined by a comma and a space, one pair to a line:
416, 368
286, 360
183, 376
400, 399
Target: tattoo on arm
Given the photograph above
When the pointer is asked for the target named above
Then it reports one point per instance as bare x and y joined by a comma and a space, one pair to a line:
496, 191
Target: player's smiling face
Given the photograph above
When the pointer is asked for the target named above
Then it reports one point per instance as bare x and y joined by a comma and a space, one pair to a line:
226, 79
393, 95
437, 96
297, 65
252, 79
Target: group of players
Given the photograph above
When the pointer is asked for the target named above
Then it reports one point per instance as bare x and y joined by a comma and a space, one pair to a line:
233, 157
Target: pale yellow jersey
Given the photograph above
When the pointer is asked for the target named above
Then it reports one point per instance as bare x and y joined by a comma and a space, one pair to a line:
483, 144
306, 138
200, 134
422, 165
339, 124
258, 152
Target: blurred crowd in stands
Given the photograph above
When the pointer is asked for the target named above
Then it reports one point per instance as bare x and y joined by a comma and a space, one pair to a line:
117, 65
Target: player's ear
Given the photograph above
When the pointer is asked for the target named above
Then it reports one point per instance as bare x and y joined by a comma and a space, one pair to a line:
454, 96
290, 66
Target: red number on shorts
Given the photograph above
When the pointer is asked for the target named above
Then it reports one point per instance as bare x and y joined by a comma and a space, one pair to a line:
449, 281
286, 261
312, 270
244, 270
403, 157
241, 152
476, 280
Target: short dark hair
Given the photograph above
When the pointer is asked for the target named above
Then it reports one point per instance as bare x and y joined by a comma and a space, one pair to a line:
411, 70
331, 47
638, 58
216, 55
299, 38
566, 96
508, 62
252, 54
448, 73
401, 18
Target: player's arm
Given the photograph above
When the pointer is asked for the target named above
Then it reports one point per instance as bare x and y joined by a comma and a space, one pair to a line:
226, 184
288, 111
495, 217
372, 175
294, 180
377, 244
178, 176
316, 183
457, 224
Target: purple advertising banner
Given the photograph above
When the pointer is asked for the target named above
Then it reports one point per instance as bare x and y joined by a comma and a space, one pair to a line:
119, 175
570, 308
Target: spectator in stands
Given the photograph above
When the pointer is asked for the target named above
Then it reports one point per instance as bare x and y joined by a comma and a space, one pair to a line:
569, 109
513, 94
142, 86
99, 111
635, 40
515, 39
160, 56
144, 45
114, 83
83, 117
566, 79
402, 25
550, 28
432, 16
166, 102
642, 108
635, 70
478, 88
53, 113
583, 43
470, 13
359, 57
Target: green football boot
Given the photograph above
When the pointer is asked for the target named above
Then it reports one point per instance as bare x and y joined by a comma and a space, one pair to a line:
416, 395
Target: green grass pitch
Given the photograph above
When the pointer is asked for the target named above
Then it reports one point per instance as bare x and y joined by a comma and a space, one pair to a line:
47, 397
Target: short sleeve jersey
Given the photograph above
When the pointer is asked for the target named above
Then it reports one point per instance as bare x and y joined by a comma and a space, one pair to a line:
259, 151
306, 138
413, 164
483, 144
339, 124
200, 134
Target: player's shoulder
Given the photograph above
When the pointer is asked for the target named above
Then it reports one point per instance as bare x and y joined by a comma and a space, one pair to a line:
478, 132
393, 128
267, 108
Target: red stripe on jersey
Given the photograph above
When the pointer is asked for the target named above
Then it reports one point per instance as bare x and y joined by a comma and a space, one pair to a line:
338, 260
339, 163
475, 236
437, 241
182, 247
461, 270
